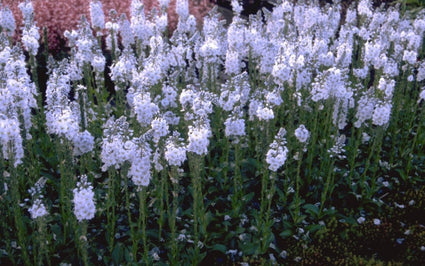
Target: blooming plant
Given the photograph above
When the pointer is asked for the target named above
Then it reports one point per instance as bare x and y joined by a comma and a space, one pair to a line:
269, 140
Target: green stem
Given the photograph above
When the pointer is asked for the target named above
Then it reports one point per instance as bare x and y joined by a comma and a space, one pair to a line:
297, 186
312, 146
328, 186
163, 198
42, 249
82, 240
377, 152
174, 176
110, 208
225, 161
237, 183
66, 179
82, 110
355, 147
414, 143
17, 213
134, 235
143, 221
268, 222
88, 79
199, 225
6, 211
374, 150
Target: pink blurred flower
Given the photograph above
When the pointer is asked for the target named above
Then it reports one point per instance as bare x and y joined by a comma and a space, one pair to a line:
60, 15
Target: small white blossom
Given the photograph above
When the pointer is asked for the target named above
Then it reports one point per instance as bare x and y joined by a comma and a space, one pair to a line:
98, 63
38, 209
302, 134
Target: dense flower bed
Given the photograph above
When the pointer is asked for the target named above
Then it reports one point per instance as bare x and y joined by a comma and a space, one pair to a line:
289, 137
58, 16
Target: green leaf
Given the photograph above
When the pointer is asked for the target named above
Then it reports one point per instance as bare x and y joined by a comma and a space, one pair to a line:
128, 256
117, 254
300, 219
312, 209
286, 233
248, 197
250, 248
219, 247
315, 227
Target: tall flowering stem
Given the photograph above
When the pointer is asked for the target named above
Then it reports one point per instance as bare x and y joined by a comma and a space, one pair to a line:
175, 155
42, 242
38, 212
84, 210
237, 182
354, 144
142, 222
163, 198
417, 142
17, 213
82, 242
297, 187
275, 158
327, 165
302, 134
328, 186
133, 231
172, 214
372, 160
111, 205
199, 226
266, 228
89, 91
66, 169
312, 146
34, 76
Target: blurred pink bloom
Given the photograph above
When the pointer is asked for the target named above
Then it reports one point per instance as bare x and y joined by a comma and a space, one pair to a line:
60, 15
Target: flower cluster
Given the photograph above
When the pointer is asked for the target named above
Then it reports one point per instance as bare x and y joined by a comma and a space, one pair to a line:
198, 138
277, 154
7, 21
38, 208
30, 33
117, 145
63, 117
84, 204
140, 170
302, 134
11, 141
18, 101
175, 152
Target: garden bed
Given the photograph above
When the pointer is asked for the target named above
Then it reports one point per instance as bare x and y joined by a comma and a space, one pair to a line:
290, 137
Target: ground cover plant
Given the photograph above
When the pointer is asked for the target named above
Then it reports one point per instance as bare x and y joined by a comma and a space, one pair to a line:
296, 136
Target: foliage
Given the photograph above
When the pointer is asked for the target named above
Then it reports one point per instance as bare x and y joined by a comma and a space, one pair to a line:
288, 137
